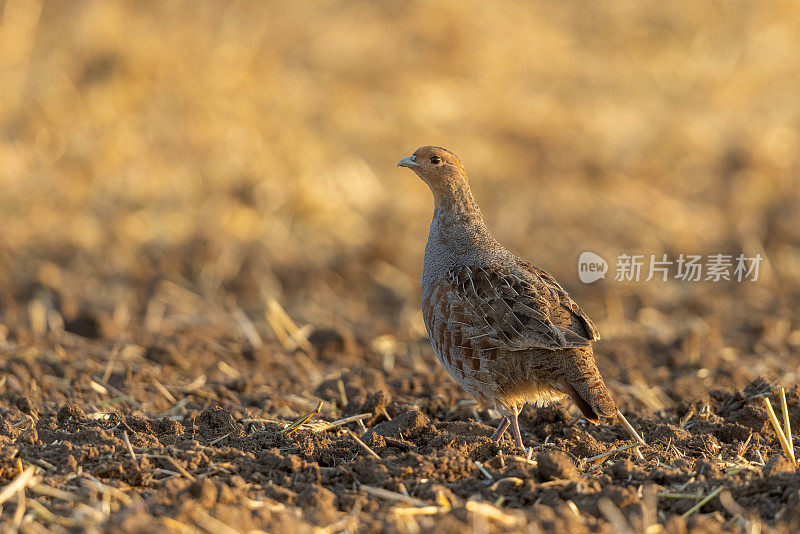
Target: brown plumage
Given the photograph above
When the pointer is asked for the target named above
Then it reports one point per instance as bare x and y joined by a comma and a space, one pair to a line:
503, 329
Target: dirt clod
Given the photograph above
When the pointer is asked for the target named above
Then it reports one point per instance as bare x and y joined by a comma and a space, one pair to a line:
556, 465
70, 411
779, 464
408, 425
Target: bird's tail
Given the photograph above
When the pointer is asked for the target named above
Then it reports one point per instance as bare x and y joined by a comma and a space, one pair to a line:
583, 383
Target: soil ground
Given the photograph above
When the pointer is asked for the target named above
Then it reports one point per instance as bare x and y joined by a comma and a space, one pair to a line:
205, 413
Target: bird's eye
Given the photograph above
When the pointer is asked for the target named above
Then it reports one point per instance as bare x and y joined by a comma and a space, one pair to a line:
436, 160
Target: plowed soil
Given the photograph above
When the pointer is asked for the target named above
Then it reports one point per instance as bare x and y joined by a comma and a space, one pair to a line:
206, 412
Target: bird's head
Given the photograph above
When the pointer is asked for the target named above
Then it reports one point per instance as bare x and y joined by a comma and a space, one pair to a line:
438, 167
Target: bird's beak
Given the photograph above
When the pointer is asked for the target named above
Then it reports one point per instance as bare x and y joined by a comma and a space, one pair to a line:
408, 161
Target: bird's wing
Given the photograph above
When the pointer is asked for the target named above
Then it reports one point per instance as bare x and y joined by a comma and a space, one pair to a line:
567, 311
518, 309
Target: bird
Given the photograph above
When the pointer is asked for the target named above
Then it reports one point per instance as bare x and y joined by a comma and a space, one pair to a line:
502, 328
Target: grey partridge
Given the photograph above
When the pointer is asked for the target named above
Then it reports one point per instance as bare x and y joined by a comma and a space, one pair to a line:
503, 329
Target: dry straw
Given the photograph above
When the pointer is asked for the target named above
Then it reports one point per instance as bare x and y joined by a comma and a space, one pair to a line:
632, 431
787, 426
300, 422
784, 434
363, 445
703, 501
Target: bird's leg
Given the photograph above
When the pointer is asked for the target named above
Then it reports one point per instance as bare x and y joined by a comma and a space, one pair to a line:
500, 429
515, 431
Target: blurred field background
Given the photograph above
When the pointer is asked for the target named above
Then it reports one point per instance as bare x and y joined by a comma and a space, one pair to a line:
245, 151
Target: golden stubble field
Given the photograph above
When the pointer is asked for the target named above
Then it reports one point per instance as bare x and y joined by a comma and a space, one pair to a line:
174, 175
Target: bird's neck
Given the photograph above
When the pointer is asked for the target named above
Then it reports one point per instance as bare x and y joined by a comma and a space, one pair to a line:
453, 200
457, 221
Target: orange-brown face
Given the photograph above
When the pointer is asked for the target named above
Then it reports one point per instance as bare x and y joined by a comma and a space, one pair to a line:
434, 165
